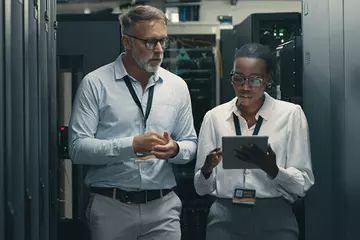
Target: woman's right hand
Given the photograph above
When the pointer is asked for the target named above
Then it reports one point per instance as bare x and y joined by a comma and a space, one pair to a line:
211, 161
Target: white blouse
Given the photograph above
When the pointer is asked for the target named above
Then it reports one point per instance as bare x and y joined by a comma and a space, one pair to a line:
286, 126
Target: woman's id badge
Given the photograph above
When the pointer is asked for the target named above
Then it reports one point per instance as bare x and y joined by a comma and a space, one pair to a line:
244, 196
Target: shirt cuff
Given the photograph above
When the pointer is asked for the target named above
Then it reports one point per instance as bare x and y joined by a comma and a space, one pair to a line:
282, 176
177, 150
205, 186
126, 147
179, 157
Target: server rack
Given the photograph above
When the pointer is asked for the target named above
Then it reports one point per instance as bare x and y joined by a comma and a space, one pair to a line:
53, 120
98, 51
14, 99
73, 193
78, 56
227, 49
289, 83
192, 57
203, 81
2, 126
24, 197
270, 29
27, 140
289, 71
31, 122
331, 103
43, 119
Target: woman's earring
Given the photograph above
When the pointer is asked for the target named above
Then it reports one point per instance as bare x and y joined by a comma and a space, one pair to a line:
269, 85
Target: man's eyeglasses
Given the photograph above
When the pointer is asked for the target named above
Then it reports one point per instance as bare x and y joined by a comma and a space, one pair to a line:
151, 43
238, 79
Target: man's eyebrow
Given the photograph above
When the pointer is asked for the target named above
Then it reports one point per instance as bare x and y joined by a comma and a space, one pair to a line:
251, 74
148, 37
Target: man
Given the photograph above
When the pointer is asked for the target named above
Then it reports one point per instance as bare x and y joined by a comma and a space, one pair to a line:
131, 121
254, 204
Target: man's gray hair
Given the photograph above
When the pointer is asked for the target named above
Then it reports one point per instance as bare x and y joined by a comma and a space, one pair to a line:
137, 14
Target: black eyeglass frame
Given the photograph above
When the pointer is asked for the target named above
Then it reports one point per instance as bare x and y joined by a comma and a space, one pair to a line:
151, 43
232, 73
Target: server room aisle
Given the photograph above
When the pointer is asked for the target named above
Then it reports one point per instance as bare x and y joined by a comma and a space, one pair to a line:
36, 80
28, 139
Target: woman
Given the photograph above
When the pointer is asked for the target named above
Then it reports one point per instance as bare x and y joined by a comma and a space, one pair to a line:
284, 172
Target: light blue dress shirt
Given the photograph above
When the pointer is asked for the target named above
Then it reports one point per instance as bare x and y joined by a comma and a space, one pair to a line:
105, 119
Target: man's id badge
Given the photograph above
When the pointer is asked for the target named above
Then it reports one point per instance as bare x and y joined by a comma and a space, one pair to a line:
244, 196
144, 156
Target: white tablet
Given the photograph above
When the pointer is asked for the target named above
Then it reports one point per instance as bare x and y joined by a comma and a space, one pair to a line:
231, 143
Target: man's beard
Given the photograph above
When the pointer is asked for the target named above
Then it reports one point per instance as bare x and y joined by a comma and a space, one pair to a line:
145, 63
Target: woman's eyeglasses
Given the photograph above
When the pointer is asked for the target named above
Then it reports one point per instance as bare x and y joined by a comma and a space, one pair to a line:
238, 79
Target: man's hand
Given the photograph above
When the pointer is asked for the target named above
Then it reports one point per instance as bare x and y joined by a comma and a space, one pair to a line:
266, 161
211, 161
146, 142
167, 150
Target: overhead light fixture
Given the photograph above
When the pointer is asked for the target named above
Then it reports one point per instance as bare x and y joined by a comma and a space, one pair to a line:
87, 11
116, 10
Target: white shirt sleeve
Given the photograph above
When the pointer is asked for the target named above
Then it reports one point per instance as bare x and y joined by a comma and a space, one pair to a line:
206, 143
184, 132
297, 177
84, 148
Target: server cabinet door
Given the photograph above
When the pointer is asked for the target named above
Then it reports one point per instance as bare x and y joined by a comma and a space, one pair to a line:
14, 119
228, 49
337, 128
2, 129
316, 82
352, 118
9, 210
32, 119
28, 210
43, 25
53, 133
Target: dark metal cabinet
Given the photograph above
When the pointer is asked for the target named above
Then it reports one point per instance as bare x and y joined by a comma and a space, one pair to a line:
43, 121
2, 127
352, 117
331, 100
53, 120
288, 76
31, 95
99, 40
316, 83
14, 110
269, 29
80, 52
26, 137
228, 48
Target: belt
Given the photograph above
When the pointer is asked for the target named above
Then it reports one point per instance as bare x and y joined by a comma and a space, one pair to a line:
135, 197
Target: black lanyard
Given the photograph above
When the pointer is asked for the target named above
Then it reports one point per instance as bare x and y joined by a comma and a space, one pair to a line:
136, 99
238, 129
